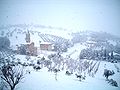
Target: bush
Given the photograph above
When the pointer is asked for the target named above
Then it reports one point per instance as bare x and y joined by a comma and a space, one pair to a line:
113, 82
4, 43
23, 50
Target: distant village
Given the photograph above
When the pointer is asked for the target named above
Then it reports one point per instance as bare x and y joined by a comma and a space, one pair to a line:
29, 47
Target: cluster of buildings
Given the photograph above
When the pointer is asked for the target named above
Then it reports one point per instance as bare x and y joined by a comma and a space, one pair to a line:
29, 47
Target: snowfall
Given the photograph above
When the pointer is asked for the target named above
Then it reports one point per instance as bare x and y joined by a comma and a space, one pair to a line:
44, 80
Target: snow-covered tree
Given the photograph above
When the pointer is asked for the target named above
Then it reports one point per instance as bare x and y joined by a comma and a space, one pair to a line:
12, 75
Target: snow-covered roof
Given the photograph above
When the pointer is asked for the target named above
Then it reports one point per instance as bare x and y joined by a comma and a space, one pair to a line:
45, 43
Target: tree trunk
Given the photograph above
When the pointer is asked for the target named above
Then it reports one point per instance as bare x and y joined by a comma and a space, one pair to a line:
12, 88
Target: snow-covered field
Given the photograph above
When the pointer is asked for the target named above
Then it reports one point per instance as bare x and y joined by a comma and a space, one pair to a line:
74, 52
44, 80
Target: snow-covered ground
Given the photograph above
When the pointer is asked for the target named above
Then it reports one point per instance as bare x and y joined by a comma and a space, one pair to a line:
44, 80
74, 52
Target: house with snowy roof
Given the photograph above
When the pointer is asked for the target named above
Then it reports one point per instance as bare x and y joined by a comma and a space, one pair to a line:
46, 46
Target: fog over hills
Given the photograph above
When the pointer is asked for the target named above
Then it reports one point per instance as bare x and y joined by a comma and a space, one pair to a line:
74, 15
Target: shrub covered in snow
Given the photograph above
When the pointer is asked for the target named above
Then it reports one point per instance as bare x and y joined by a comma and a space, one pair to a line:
108, 73
113, 82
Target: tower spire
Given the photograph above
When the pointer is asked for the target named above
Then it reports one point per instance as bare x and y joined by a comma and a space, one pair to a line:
27, 37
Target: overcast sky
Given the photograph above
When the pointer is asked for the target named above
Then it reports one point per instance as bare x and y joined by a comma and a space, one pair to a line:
100, 15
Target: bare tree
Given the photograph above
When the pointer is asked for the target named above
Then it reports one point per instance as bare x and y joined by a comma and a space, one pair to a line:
12, 75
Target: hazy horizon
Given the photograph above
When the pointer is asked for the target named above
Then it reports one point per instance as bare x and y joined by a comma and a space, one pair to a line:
74, 15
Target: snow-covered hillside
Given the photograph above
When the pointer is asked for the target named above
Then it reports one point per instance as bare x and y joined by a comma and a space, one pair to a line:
38, 34
37, 28
44, 80
45, 77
